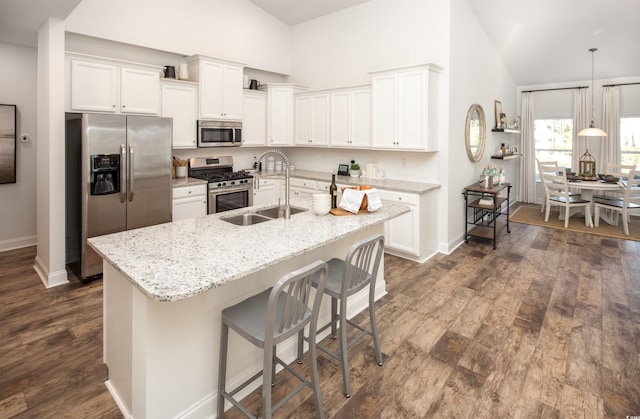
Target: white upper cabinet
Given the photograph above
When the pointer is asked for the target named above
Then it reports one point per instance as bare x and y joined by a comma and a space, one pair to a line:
351, 118
220, 87
180, 102
405, 108
312, 119
254, 118
139, 91
100, 85
94, 87
280, 113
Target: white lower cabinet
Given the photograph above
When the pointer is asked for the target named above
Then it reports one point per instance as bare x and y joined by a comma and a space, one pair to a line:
189, 202
300, 187
403, 233
266, 191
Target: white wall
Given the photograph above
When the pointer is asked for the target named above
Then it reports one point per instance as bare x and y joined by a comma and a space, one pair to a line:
478, 76
340, 49
236, 30
18, 200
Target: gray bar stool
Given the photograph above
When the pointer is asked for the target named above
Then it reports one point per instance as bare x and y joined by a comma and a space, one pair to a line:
266, 320
346, 277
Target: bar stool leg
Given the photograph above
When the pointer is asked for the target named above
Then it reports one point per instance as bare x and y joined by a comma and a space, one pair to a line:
372, 320
267, 381
344, 350
334, 316
222, 368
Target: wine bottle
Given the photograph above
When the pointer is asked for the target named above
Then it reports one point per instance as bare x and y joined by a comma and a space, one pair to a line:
333, 191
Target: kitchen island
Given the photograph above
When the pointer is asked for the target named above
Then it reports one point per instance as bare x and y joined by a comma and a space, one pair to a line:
165, 287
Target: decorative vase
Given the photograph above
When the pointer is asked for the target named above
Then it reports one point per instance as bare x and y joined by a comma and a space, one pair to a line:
354, 173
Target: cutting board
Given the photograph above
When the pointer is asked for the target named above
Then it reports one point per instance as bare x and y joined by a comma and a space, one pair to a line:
340, 211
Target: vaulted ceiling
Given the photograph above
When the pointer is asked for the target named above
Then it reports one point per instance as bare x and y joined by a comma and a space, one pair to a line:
540, 41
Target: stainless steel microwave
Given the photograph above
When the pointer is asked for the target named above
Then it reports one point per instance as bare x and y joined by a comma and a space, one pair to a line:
219, 133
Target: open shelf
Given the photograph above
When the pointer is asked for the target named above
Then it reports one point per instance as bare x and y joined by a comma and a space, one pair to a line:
506, 130
507, 157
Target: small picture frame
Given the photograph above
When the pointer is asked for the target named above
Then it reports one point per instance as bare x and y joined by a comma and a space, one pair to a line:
497, 105
343, 170
515, 150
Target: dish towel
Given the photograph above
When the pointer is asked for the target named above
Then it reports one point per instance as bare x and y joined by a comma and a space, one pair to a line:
373, 199
351, 200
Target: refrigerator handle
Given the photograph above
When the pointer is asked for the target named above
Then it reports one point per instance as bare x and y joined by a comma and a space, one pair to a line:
130, 177
123, 172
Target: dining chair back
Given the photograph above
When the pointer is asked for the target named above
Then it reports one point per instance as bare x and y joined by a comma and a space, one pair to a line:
556, 186
553, 163
628, 205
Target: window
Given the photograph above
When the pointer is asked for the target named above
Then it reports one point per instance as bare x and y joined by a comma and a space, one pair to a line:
553, 138
630, 141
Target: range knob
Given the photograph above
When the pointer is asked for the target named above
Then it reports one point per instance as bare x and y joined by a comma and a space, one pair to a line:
219, 185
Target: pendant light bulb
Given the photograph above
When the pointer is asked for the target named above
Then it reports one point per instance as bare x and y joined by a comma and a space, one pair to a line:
592, 130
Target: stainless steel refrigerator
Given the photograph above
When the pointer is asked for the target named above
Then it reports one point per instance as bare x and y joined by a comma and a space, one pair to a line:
118, 177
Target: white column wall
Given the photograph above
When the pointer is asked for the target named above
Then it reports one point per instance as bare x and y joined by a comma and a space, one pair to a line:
50, 259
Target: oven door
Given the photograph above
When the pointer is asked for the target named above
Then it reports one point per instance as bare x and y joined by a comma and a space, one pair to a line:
219, 134
230, 199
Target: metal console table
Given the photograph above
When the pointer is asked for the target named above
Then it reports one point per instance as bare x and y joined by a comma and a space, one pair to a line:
485, 217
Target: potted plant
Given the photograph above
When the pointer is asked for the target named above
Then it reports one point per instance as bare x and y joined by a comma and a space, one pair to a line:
355, 169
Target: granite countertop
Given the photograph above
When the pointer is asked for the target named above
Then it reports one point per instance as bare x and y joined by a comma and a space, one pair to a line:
178, 260
386, 184
190, 181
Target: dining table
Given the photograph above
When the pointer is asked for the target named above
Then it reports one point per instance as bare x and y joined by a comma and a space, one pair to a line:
587, 188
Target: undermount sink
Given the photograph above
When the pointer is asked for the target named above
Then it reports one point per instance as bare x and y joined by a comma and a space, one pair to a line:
277, 212
260, 216
246, 219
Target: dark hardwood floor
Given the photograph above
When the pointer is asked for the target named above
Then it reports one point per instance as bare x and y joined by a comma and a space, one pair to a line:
547, 325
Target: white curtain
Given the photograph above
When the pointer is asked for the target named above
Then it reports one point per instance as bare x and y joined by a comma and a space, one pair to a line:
528, 166
580, 121
610, 145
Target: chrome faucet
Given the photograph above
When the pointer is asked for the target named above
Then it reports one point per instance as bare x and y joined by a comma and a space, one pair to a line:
287, 208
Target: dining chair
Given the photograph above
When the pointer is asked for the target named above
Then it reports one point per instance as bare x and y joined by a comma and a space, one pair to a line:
546, 164
268, 319
628, 205
346, 277
556, 187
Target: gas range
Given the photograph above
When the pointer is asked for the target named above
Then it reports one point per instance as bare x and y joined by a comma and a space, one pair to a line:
228, 190
218, 171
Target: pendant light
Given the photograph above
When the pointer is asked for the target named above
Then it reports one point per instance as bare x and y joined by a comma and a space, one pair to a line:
593, 130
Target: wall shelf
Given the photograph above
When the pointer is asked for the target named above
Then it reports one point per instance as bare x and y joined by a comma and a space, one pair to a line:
506, 130
507, 157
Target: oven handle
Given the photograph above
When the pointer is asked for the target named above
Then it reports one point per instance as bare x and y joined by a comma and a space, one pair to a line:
239, 188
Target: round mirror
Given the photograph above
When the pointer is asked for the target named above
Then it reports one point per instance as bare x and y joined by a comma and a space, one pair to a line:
475, 132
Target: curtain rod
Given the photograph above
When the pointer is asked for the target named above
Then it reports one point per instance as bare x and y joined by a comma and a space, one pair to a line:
557, 88
619, 84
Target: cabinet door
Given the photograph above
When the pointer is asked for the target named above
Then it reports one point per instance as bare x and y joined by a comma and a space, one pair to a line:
320, 119
360, 118
232, 100
280, 116
139, 91
340, 118
189, 202
384, 111
180, 102
303, 120
401, 233
254, 119
412, 115
211, 87
266, 193
94, 87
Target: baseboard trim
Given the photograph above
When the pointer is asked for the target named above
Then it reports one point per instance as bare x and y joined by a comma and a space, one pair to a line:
49, 279
17, 243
